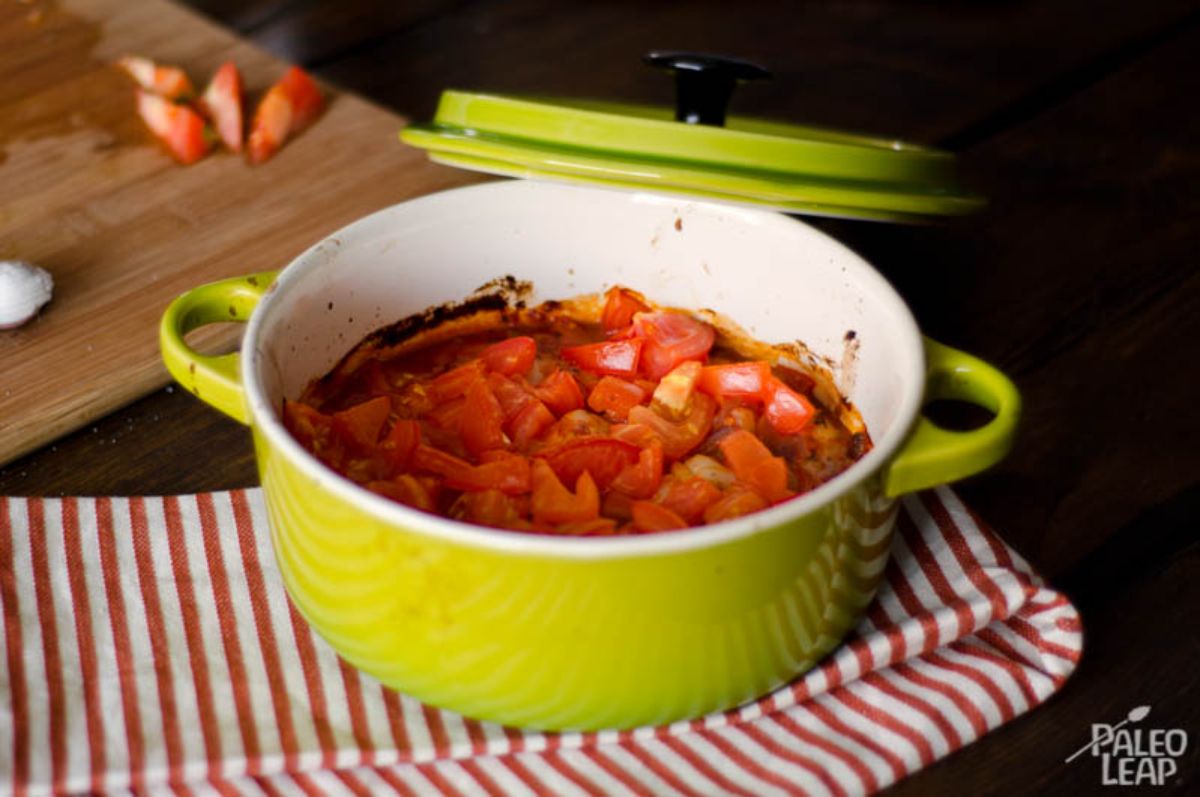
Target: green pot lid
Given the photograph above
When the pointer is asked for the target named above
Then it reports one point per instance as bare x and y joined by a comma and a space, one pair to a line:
788, 167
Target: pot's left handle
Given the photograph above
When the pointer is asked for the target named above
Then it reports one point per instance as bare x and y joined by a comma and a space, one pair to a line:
213, 378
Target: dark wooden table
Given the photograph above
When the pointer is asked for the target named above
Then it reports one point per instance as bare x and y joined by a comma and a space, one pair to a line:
1078, 119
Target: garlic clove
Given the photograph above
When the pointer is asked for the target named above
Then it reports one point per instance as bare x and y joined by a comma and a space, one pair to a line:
24, 289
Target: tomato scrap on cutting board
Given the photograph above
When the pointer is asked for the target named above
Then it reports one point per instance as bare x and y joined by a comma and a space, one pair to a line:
189, 126
557, 420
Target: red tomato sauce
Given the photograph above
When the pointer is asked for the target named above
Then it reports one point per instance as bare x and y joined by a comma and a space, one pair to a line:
539, 420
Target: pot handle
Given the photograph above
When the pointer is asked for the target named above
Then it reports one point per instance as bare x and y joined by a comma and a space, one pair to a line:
213, 378
933, 455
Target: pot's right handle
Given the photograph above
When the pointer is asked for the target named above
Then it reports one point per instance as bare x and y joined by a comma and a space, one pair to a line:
933, 455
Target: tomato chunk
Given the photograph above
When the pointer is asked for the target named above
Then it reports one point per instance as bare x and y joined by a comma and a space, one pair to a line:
612, 357
492, 508
787, 411
509, 475
679, 437
671, 338
620, 306
754, 465
448, 415
744, 380
397, 448
407, 490
649, 516
363, 422
287, 108
307, 424
734, 504
482, 420
560, 393
510, 357
597, 527
168, 82
222, 103
454, 383
512, 397
178, 127
530, 423
603, 457
642, 478
614, 397
689, 498
551, 502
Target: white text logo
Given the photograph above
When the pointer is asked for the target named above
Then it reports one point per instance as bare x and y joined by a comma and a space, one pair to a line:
1134, 756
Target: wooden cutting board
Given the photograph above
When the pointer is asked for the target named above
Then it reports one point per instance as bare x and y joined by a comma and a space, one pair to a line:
86, 193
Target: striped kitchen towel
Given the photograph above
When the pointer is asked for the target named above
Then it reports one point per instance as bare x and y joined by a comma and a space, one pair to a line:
148, 644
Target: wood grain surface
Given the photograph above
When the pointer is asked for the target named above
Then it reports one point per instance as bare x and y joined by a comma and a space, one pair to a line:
89, 195
1077, 118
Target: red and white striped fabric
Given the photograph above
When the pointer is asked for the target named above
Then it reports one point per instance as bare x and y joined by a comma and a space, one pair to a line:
148, 644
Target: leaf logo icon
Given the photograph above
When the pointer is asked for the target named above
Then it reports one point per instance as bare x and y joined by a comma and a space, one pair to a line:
1138, 714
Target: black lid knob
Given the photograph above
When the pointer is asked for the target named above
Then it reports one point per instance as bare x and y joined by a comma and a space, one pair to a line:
704, 83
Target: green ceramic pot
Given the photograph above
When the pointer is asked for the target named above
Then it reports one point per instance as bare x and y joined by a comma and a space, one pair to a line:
570, 633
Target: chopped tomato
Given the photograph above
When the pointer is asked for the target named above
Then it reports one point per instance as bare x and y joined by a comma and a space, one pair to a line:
551, 502
177, 126
555, 430
689, 498
287, 108
448, 415
678, 437
222, 103
612, 357
512, 397
398, 446
743, 380
620, 306
307, 424
168, 82
742, 451
614, 397
492, 508
786, 410
603, 457
671, 338
482, 420
649, 516
511, 357
560, 393
573, 426
642, 478
529, 423
617, 505
736, 415
407, 490
454, 383
754, 465
598, 527
304, 95
673, 396
363, 422
734, 504
636, 433
509, 475
770, 479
